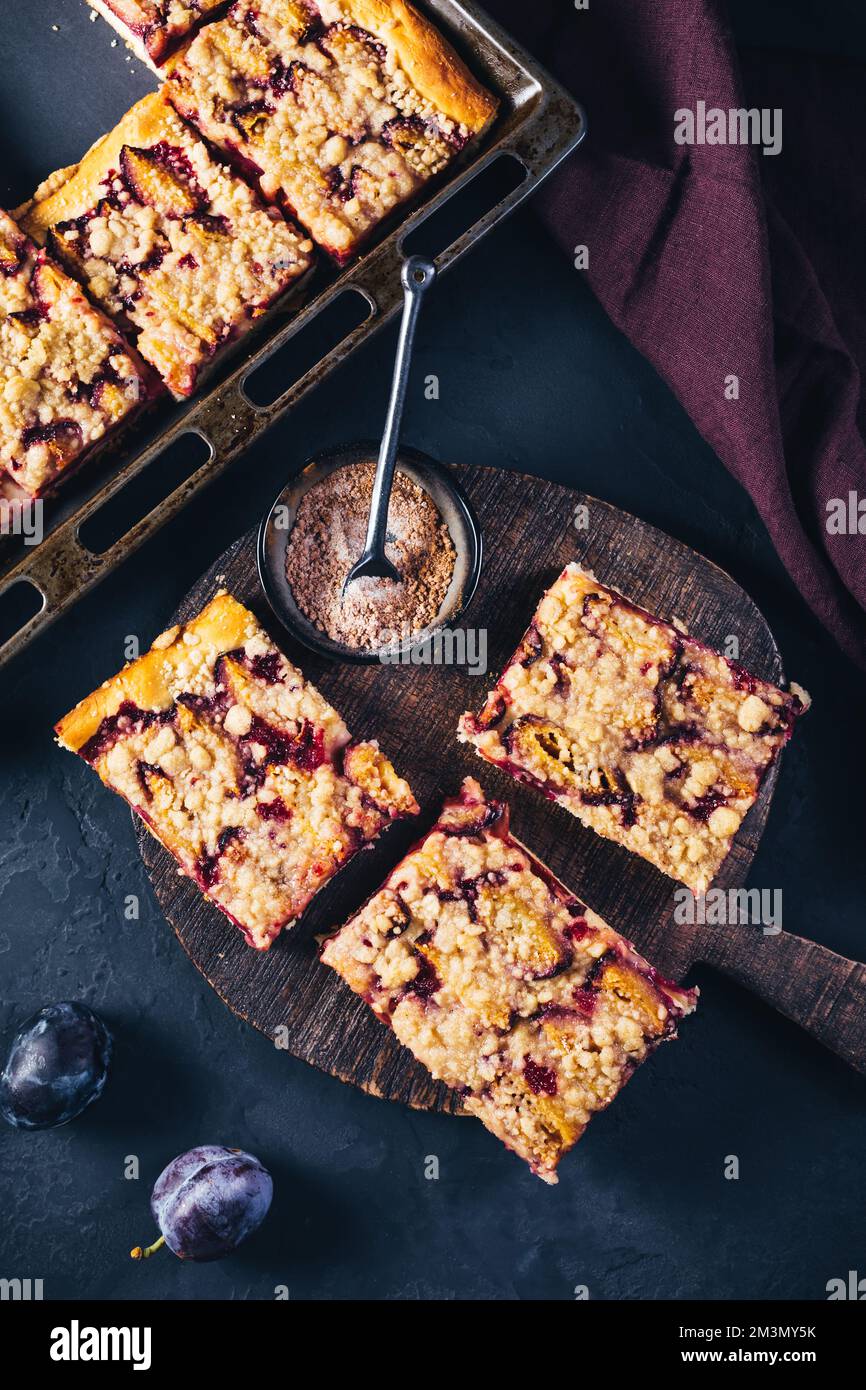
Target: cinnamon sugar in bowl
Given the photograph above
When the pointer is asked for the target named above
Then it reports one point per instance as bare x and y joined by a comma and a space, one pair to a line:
328, 537
315, 531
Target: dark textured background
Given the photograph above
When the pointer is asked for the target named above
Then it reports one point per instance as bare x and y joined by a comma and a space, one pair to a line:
532, 377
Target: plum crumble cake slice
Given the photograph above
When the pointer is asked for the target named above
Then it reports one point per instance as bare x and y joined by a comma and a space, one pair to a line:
168, 240
503, 984
646, 735
67, 379
343, 109
238, 766
153, 28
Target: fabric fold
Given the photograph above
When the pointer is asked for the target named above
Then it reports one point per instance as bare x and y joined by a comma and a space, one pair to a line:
725, 266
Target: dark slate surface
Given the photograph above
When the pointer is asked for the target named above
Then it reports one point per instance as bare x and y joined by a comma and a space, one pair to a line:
532, 377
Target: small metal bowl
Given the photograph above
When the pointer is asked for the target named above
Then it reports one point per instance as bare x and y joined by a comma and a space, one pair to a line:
453, 506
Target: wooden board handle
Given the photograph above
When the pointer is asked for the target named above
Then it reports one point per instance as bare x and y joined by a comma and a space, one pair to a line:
824, 992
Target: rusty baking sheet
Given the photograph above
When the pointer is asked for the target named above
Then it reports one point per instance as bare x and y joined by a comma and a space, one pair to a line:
539, 124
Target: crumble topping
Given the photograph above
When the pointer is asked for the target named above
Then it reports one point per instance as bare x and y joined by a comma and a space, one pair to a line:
322, 111
239, 766
171, 243
66, 376
503, 983
646, 735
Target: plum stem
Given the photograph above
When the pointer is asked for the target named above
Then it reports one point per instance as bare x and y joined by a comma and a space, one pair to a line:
139, 1254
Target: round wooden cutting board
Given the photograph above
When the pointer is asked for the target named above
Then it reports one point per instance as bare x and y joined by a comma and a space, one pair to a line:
531, 530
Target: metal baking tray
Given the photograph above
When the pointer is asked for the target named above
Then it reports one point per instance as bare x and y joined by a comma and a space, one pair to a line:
538, 125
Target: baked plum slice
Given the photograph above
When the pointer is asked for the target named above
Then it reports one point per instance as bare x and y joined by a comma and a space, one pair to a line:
544, 750
251, 118
108, 397
296, 20
161, 177
12, 254
416, 141
367, 768
140, 17
47, 286
708, 778
62, 439
635, 989
493, 712
522, 936
349, 44
244, 52
466, 815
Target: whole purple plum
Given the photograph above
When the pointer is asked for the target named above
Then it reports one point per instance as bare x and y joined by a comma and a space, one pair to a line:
208, 1201
57, 1066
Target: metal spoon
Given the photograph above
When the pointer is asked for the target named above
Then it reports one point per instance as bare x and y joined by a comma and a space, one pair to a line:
417, 275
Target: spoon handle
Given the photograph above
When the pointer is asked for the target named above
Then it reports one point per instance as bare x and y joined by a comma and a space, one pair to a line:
417, 275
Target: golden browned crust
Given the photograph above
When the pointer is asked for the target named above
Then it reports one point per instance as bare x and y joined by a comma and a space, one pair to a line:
427, 59
45, 189
70, 192
221, 627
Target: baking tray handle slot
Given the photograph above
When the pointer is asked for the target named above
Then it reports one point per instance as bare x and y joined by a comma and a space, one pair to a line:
144, 492
306, 348
20, 602
458, 217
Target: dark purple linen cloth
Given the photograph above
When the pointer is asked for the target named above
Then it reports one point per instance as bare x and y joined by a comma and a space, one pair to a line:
720, 261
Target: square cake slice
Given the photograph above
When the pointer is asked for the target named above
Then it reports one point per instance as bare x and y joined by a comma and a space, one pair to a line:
238, 766
67, 378
646, 735
168, 240
503, 984
344, 109
153, 28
